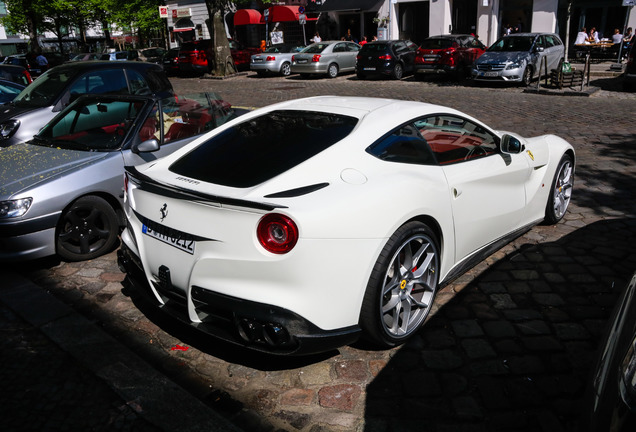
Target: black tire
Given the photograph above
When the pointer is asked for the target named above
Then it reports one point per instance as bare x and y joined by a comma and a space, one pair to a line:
560, 191
398, 71
332, 70
412, 291
526, 78
87, 229
285, 69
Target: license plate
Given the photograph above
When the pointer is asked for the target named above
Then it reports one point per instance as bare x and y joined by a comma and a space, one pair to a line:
181, 241
430, 59
301, 61
489, 74
258, 60
369, 68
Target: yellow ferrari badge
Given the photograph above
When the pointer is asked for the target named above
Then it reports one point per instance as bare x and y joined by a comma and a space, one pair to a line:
530, 154
403, 284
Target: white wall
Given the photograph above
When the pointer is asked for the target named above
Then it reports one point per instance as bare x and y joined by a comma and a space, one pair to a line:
440, 17
487, 25
544, 16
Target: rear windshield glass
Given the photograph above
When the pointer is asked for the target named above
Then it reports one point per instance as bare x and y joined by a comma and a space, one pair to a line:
512, 44
259, 149
433, 43
374, 48
315, 48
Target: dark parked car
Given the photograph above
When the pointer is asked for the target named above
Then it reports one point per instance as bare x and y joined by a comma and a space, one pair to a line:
171, 61
629, 77
613, 402
50, 93
394, 58
22, 60
17, 74
85, 57
450, 54
152, 55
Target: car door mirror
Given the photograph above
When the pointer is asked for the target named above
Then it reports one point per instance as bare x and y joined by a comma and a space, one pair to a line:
147, 146
538, 49
511, 145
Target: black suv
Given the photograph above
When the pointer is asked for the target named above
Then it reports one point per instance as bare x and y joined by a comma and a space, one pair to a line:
393, 58
21, 119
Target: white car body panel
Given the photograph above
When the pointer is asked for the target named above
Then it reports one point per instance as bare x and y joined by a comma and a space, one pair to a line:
344, 226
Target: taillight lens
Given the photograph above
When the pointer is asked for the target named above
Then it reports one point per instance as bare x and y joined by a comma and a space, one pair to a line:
385, 57
270, 58
315, 58
293, 58
277, 233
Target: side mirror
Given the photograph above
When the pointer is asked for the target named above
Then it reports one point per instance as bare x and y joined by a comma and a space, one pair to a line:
538, 49
511, 145
147, 146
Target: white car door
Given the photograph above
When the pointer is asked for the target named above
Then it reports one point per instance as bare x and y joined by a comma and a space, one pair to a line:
486, 187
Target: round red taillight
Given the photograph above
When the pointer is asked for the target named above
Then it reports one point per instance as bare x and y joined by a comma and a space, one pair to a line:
277, 233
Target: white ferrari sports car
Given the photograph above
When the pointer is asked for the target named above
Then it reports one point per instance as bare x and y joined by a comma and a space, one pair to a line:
304, 225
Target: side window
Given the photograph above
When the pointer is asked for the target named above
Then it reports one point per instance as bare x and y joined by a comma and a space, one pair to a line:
454, 139
137, 83
411, 46
351, 47
540, 42
550, 41
404, 145
400, 47
340, 47
152, 125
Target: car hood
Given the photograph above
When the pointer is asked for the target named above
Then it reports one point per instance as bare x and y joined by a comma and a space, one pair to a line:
502, 57
23, 166
10, 110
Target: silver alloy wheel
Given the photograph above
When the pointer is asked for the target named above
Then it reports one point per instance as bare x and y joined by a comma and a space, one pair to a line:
563, 188
332, 71
285, 69
409, 286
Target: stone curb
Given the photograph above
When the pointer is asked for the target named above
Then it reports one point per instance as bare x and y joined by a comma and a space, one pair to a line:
154, 397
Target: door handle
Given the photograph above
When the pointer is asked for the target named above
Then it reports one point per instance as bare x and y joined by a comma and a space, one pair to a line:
456, 193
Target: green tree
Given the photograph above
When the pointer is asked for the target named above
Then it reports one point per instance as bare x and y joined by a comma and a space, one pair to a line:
25, 16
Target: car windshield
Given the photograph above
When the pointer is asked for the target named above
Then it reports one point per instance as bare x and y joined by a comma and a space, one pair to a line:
91, 124
43, 91
437, 43
315, 48
512, 44
263, 147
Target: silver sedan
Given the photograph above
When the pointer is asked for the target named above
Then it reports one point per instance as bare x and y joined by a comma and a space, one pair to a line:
330, 58
275, 59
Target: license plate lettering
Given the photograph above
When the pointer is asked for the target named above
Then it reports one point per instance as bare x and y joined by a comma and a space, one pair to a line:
489, 74
302, 61
173, 238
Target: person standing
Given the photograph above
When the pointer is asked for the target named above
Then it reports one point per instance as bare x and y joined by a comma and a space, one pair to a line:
42, 62
316, 38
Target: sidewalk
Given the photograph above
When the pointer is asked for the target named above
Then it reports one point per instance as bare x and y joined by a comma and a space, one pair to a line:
61, 371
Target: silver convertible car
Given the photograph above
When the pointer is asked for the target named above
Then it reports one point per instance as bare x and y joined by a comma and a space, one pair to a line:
330, 57
275, 59
61, 193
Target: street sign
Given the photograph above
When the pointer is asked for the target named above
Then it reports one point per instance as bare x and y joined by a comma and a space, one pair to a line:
266, 14
629, 2
302, 19
301, 10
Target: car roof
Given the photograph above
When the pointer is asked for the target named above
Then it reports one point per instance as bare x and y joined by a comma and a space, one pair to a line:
99, 64
449, 36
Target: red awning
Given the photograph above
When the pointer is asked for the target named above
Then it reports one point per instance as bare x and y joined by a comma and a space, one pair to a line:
248, 16
283, 13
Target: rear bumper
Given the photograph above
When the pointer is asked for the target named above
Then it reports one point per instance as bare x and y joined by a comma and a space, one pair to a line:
434, 68
258, 326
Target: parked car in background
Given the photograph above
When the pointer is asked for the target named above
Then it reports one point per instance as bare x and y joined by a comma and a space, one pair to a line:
25, 62
326, 58
629, 76
519, 58
50, 93
241, 54
152, 55
171, 61
17, 74
55, 58
228, 251
9, 90
193, 56
612, 406
130, 55
449, 54
85, 57
275, 60
394, 59
62, 191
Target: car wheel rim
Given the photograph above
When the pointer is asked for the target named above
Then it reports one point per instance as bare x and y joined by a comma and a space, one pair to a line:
563, 189
286, 70
85, 230
333, 71
398, 72
409, 286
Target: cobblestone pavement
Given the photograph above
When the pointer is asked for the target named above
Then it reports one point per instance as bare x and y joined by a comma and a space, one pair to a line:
511, 343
